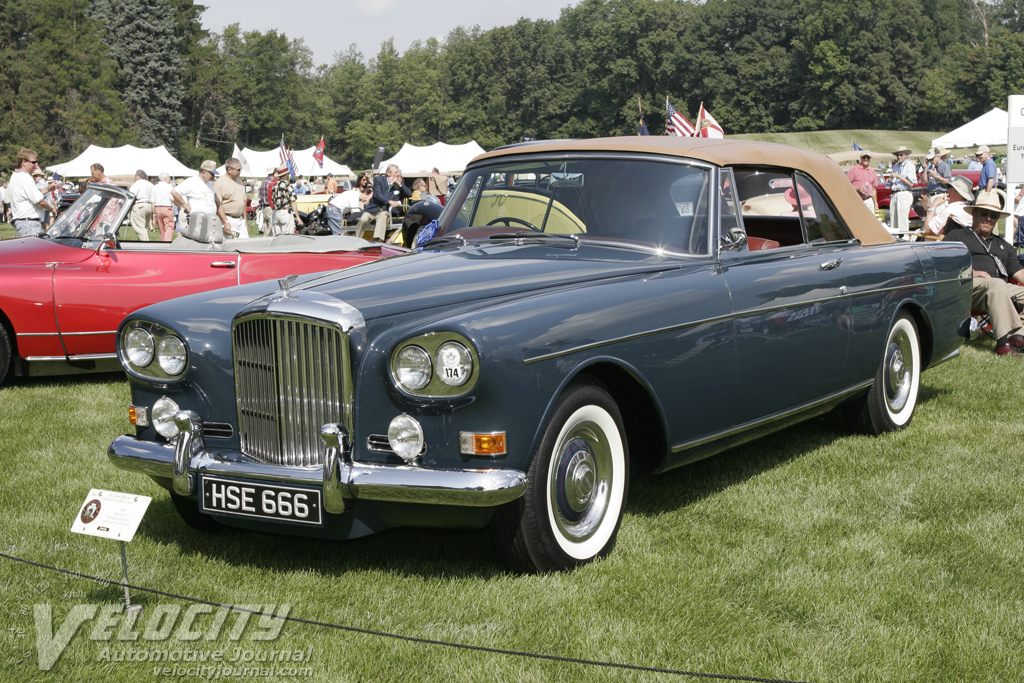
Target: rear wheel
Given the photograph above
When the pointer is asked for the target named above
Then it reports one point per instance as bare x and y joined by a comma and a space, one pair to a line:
5, 354
890, 403
571, 512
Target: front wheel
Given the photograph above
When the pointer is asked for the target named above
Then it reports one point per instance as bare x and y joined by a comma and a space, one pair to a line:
891, 401
5, 354
571, 512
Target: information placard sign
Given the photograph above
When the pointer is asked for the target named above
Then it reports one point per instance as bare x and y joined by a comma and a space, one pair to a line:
109, 514
1015, 140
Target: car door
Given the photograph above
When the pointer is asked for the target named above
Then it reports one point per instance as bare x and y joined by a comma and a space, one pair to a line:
91, 297
791, 312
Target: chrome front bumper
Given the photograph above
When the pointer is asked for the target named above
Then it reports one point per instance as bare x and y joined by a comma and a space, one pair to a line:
342, 480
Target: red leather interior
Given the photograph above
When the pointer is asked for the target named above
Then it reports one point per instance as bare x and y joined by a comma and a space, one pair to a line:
759, 243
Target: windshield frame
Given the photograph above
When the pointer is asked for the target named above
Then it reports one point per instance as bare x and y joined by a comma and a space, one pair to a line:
461, 197
79, 221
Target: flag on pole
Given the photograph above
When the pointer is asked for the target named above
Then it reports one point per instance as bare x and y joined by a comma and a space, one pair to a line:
237, 153
676, 123
318, 153
642, 128
856, 147
286, 158
707, 126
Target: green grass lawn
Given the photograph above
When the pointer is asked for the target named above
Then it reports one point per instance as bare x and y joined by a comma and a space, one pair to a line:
813, 554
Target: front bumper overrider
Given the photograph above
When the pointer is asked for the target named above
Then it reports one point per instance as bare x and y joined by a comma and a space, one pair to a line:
342, 479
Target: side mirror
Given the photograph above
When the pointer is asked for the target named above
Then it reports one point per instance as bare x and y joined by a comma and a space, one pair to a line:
734, 240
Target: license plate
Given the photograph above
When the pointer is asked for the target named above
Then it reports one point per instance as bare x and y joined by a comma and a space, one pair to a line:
257, 500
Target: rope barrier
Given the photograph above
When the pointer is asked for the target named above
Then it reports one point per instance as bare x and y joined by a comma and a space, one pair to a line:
397, 636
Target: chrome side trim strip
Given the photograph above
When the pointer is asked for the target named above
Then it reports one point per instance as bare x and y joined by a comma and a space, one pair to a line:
738, 314
65, 334
82, 356
832, 398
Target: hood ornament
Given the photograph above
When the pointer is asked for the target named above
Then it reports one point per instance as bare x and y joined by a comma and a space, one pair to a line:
285, 284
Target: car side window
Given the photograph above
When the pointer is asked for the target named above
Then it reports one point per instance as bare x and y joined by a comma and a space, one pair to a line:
785, 208
821, 220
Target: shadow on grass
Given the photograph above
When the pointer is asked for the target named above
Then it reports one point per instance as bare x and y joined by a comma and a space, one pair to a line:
421, 552
431, 553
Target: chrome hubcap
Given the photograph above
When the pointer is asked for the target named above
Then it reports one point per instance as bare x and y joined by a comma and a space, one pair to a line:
897, 375
579, 496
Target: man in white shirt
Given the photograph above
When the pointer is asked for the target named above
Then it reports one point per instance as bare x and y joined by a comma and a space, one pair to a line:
958, 196
195, 195
26, 199
904, 177
163, 207
142, 211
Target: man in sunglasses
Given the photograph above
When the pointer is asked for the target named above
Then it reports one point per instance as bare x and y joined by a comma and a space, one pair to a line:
26, 199
998, 275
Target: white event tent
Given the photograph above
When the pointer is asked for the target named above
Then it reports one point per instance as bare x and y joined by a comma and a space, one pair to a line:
123, 161
258, 163
987, 129
420, 161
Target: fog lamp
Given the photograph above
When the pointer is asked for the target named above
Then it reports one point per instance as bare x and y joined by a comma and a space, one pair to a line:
162, 417
405, 435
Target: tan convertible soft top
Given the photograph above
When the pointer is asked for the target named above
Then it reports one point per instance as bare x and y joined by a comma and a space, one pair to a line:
827, 173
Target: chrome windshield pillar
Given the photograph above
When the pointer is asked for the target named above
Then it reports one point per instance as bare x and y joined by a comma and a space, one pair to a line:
190, 444
337, 467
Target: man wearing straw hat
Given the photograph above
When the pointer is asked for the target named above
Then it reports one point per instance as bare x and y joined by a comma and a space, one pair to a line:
904, 177
998, 275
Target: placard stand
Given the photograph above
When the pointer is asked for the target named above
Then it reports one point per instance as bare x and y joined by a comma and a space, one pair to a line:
128, 606
113, 515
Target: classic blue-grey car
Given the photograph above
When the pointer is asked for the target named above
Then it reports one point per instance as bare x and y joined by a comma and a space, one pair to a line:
581, 310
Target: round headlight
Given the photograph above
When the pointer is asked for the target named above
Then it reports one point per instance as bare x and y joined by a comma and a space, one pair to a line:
454, 363
170, 354
412, 368
163, 417
405, 437
139, 347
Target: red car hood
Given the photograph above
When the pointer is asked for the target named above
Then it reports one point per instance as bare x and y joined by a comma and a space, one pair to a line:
25, 251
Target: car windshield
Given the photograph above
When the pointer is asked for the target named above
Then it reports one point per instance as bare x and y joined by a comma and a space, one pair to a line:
660, 204
95, 215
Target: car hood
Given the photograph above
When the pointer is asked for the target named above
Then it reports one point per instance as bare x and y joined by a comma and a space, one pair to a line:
24, 251
422, 280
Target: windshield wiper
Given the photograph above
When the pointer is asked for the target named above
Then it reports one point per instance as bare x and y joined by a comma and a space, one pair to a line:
534, 234
437, 241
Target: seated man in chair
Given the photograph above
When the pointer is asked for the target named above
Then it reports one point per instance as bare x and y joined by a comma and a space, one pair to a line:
998, 275
388, 193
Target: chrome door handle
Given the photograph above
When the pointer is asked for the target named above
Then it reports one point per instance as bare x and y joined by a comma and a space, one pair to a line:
223, 264
830, 265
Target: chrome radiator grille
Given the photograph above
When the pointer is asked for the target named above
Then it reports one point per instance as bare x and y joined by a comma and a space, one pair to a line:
291, 378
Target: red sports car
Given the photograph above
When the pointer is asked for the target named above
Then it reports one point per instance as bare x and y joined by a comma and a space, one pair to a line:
63, 293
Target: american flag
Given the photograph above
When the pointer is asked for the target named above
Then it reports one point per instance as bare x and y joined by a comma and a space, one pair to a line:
286, 158
676, 123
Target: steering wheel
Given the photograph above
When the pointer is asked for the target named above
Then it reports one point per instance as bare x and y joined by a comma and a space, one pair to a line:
509, 220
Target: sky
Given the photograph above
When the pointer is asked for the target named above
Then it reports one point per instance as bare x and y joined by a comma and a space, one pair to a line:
331, 26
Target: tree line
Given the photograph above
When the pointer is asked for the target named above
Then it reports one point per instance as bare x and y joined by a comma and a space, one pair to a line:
145, 72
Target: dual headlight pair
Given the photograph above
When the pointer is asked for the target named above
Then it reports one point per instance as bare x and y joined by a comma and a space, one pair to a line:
153, 351
436, 364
